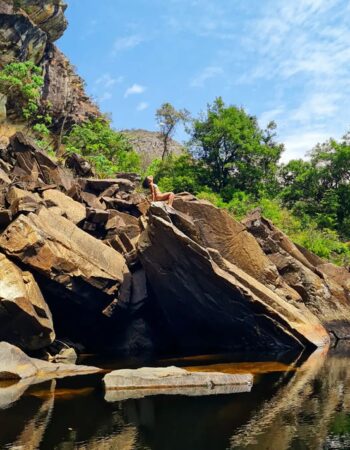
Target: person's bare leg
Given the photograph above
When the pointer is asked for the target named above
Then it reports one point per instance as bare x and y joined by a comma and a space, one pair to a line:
163, 197
171, 199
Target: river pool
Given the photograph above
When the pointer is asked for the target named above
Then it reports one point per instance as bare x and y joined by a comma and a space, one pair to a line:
297, 402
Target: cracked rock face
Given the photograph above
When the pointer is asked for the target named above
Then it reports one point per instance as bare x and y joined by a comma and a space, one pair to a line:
47, 15
25, 318
20, 39
323, 287
210, 303
57, 249
28, 33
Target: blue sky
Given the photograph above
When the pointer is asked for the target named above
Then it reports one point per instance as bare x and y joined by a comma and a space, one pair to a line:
287, 61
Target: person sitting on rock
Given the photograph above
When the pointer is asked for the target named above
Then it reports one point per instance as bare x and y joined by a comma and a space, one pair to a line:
157, 195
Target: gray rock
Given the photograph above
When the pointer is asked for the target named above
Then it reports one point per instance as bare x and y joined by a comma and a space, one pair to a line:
16, 365
171, 377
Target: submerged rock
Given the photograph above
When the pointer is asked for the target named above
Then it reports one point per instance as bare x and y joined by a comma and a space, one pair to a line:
25, 318
210, 303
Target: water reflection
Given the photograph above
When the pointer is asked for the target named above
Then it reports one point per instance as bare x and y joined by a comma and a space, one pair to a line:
304, 405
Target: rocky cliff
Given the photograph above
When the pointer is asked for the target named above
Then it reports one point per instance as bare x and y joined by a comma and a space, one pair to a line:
149, 145
93, 262
28, 30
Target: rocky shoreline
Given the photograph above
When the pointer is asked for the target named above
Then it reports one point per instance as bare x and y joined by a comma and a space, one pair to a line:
93, 263
90, 264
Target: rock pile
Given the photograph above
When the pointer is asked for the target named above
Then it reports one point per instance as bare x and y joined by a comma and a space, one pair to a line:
93, 262
77, 236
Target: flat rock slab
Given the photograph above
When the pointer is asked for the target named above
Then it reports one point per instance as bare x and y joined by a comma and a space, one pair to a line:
171, 378
16, 365
75, 212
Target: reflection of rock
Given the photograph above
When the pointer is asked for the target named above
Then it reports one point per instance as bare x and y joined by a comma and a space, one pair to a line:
288, 398
11, 391
211, 303
34, 429
126, 394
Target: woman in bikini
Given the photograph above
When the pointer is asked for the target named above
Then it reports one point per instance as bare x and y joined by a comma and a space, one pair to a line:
158, 196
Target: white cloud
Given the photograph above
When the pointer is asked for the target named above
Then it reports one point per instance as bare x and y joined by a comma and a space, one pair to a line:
302, 49
268, 116
207, 73
134, 89
127, 43
107, 81
105, 96
297, 145
142, 106
317, 106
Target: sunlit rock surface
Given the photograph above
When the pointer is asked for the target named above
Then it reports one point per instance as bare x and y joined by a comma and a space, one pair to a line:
16, 365
25, 318
175, 379
209, 302
323, 287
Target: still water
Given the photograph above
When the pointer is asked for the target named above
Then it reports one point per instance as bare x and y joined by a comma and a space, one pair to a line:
297, 402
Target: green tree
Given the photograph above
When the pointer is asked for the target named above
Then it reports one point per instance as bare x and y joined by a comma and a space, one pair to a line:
179, 173
108, 150
168, 119
22, 84
320, 188
237, 153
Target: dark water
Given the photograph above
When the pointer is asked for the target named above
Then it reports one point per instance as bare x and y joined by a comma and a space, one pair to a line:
304, 404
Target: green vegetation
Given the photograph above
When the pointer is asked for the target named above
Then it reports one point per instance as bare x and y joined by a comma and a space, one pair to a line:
234, 164
22, 84
108, 150
229, 160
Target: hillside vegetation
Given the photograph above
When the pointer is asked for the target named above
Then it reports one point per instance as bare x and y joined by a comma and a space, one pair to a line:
228, 160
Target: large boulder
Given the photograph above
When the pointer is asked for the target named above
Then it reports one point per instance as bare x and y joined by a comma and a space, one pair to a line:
215, 228
34, 164
60, 251
323, 287
25, 318
210, 303
74, 211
